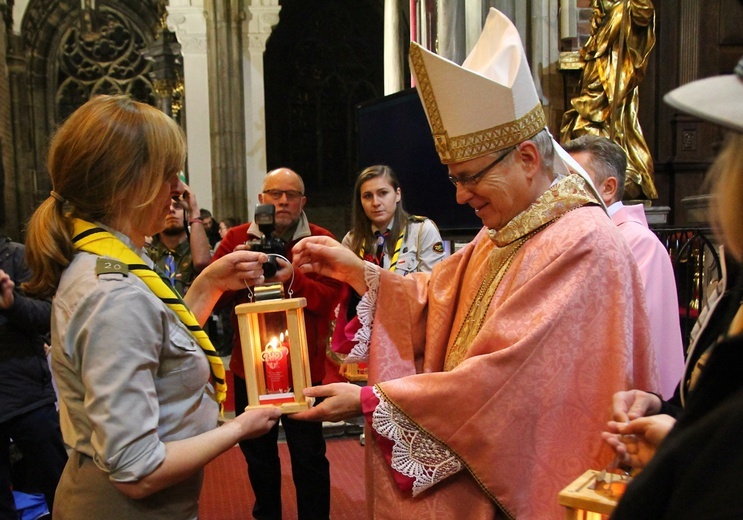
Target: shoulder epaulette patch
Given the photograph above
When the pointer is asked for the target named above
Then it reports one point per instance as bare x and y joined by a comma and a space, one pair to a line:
111, 266
438, 247
417, 218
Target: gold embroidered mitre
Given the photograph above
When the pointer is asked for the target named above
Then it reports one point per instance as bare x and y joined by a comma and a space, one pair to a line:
485, 105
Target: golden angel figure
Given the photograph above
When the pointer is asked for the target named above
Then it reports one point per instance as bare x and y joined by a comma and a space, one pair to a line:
615, 57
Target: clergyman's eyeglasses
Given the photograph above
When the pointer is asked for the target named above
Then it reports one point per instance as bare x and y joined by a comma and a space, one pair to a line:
471, 180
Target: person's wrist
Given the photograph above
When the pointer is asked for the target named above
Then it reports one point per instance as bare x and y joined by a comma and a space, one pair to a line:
656, 403
196, 220
356, 277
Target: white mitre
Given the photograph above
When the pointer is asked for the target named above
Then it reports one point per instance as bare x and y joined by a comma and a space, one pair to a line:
485, 105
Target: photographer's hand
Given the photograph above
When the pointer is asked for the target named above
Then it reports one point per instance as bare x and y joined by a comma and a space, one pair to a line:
284, 272
201, 254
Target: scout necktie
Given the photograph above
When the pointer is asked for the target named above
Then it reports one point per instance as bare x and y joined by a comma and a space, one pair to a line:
381, 239
92, 239
378, 258
170, 268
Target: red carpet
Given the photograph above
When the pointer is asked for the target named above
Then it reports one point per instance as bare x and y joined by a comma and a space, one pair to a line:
227, 494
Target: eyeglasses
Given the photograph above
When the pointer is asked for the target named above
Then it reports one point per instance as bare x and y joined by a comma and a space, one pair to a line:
471, 180
290, 194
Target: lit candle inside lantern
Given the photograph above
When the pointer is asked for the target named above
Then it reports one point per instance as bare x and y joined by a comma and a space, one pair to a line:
275, 364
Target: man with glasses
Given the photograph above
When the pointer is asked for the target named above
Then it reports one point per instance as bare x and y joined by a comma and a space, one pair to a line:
489, 377
310, 470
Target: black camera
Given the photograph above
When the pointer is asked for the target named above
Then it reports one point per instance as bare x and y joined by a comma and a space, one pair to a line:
264, 217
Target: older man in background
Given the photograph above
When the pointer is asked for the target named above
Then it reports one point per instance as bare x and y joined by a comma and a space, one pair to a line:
284, 189
606, 163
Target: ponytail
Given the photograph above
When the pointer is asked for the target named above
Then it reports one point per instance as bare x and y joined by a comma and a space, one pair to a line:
49, 248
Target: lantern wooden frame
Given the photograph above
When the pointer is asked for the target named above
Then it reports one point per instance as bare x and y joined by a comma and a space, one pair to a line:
583, 503
248, 318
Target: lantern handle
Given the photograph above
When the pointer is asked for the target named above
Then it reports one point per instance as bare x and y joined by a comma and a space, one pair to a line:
291, 282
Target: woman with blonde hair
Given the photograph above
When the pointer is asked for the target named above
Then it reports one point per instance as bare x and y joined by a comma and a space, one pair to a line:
130, 358
691, 462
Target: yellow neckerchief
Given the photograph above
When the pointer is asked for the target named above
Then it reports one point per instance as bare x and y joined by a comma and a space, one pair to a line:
92, 239
395, 255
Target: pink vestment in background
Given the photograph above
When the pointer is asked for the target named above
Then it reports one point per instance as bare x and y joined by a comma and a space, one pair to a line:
566, 328
657, 276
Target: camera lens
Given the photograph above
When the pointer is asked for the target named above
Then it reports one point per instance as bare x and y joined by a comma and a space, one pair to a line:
270, 267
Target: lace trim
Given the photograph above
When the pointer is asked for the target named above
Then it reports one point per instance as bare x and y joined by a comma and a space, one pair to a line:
415, 453
365, 311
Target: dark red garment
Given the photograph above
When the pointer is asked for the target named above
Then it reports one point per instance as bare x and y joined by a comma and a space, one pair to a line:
321, 293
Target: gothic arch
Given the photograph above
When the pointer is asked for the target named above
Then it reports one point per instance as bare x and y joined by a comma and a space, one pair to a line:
55, 54
57, 72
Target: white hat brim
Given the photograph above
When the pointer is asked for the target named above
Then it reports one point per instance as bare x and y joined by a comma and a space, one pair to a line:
718, 99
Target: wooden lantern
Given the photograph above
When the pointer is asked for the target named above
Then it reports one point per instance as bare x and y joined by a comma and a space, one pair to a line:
274, 349
356, 372
582, 502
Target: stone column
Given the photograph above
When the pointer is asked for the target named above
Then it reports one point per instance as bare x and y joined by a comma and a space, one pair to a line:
474, 21
393, 54
227, 106
451, 29
689, 44
8, 205
187, 18
544, 57
263, 15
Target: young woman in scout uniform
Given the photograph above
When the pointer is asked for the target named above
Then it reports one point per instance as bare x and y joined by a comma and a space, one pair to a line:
383, 233
132, 364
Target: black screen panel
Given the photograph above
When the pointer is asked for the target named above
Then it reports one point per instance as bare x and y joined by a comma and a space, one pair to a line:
393, 130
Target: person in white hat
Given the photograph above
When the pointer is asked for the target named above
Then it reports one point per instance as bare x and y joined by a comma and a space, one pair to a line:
490, 376
692, 461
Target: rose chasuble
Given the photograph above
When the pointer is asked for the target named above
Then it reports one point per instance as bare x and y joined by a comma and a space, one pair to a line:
516, 344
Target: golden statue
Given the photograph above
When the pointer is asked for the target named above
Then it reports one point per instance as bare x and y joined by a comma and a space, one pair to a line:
615, 58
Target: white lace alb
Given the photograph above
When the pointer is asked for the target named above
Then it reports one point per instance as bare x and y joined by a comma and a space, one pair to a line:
415, 454
365, 312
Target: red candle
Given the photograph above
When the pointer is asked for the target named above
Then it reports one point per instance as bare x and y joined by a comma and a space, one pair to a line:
276, 367
284, 339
